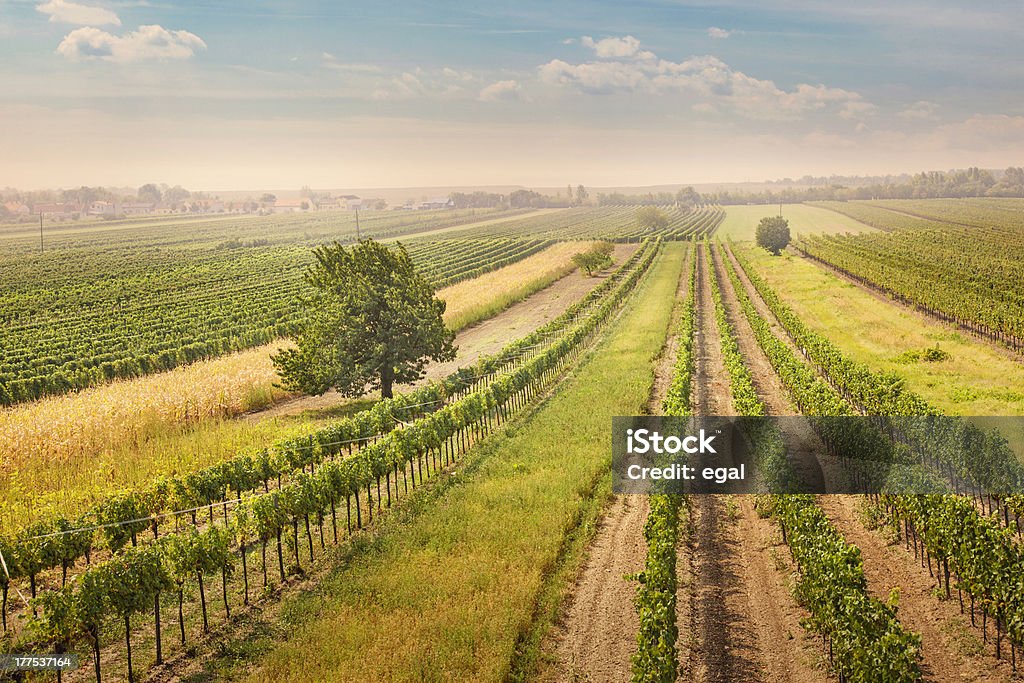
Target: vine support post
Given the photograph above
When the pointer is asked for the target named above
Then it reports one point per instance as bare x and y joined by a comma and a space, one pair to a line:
128, 642
202, 600
94, 632
245, 577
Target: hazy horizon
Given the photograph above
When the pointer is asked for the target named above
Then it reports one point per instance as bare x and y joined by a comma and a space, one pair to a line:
233, 97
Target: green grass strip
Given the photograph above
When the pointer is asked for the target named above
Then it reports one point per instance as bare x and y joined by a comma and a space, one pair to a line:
453, 594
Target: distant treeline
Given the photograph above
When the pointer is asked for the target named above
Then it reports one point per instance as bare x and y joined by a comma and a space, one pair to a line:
686, 195
972, 182
578, 196
84, 195
520, 199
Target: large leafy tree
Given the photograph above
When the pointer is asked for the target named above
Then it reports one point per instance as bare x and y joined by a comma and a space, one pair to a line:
372, 321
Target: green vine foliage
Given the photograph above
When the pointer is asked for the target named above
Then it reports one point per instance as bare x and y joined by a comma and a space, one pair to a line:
656, 658
976, 553
133, 578
247, 472
116, 512
128, 582
868, 643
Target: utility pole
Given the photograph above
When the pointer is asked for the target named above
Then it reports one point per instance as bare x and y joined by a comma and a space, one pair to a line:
359, 237
780, 209
40, 232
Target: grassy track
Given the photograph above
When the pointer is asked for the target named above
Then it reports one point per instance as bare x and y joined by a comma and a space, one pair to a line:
976, 380
448, 596
740, 221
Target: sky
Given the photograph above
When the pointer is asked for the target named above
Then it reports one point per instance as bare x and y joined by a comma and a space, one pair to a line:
212, 94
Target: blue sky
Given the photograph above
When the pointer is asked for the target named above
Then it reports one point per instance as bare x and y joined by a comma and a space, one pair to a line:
232, 95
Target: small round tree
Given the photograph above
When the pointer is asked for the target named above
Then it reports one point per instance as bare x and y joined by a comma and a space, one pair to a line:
372, 321
773, 234
651, 218
595, 259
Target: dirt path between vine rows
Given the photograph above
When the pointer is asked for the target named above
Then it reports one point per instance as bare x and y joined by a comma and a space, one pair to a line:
484, 338
950, 649
766, 381
596, 635
802, 444
759, 305
737, 618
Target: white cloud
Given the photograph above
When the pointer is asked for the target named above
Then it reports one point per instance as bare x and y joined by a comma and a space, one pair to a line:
921, 110
420, 82
402, 87
626, 46
594, 77
331, 62
65, 12
454, 75
856, 109
148, 42
623, 67
501, 91
720, 33
982, 132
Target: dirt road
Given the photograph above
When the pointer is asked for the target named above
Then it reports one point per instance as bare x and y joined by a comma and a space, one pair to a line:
484, 338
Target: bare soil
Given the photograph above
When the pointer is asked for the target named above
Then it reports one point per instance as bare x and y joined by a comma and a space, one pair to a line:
766, 381
738, 620
759, 304
802, 444
596, 634
712, 391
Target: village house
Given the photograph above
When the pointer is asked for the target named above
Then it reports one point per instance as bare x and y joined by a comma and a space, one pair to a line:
101, 207
329, 204
55, 211
438, 203
17, 208
291, 206
137, 208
